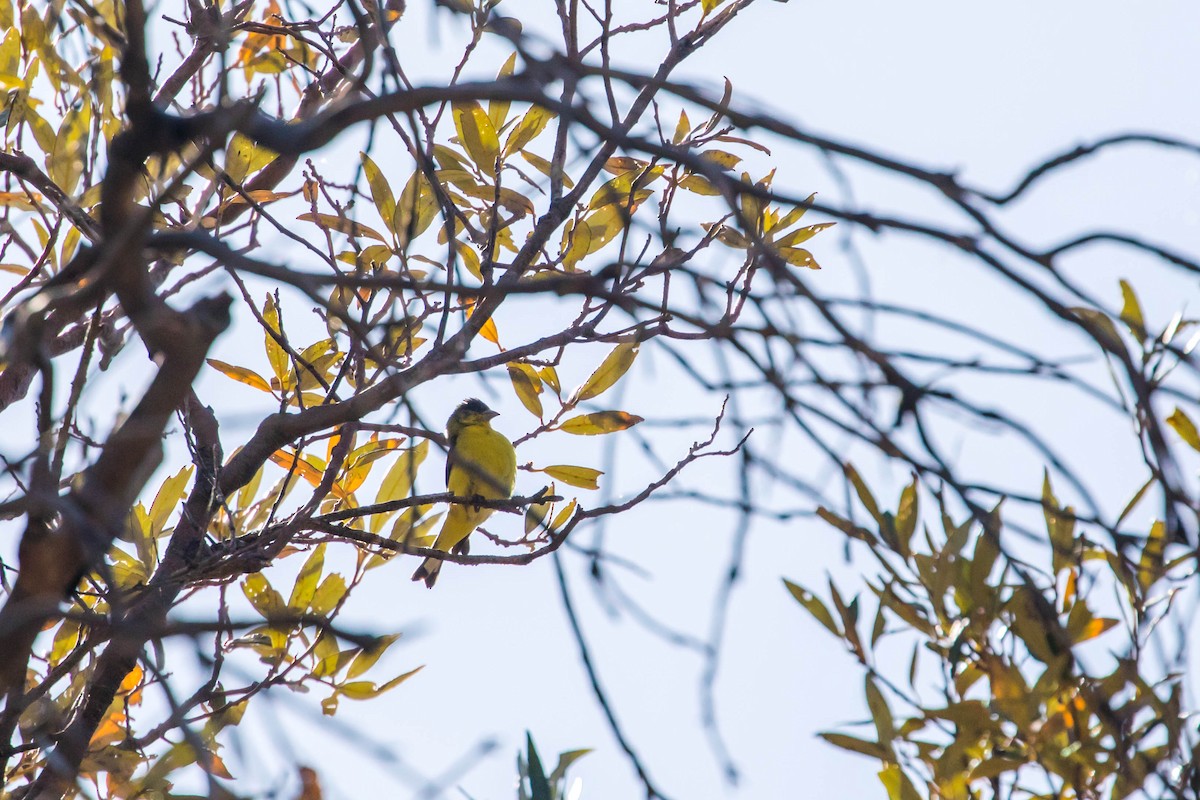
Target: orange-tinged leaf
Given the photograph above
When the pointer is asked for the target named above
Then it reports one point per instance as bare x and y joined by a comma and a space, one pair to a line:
305, 469
582, 477
600, 422
1094, 628
240, 374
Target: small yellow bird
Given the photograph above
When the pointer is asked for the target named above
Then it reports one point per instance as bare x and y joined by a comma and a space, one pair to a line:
481, 463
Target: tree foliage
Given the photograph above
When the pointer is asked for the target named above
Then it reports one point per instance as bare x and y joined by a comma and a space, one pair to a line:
538, 223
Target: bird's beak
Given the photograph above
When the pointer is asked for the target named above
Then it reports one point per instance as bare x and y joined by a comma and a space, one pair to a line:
492, 414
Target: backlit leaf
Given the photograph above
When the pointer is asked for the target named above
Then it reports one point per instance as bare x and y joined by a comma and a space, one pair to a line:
528, 385
341, 225
615, 364
582, 477
1183, 425
600, 422
241, 375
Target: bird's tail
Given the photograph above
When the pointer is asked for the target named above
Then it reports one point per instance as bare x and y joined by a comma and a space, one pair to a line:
428, 571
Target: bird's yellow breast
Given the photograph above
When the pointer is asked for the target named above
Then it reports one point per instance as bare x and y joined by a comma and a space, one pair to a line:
484, 463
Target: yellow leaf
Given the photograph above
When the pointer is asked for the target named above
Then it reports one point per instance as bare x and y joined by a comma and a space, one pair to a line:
528, 129
1183, 425
240, 374
528, 386
549, 376
684, 126
341, 225
564, 516
305, 587
543, 166
798, 257
801, 235
620, 164
280, 363
615, 365
367, 658
698, 184
173, 490
477, 135
498, 109
583, 477
600, 422
381, 192
721, 158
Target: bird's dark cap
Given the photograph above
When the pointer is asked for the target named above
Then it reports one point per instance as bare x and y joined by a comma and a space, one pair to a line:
477, 406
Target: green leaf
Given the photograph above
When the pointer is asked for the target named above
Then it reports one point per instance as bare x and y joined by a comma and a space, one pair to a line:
539, 787
864, 493
814, 606
1101, 329
881, 713
600, 422
614, 366
856, 745
565, 760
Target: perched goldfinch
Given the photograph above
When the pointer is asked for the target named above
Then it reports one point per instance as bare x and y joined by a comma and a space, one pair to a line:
481, 463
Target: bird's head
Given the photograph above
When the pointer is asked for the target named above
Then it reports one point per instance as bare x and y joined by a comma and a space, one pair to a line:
470, 412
